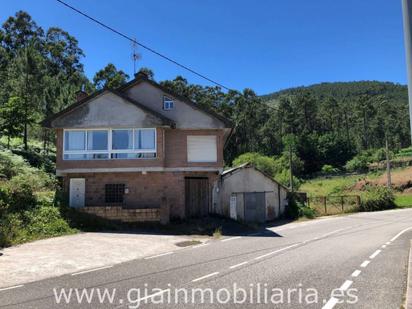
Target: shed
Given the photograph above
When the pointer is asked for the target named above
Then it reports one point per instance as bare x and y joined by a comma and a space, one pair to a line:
247, 194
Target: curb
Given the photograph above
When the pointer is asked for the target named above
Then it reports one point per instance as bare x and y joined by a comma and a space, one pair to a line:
408, 301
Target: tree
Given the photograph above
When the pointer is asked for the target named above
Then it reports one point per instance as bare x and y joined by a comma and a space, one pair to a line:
12, 122
148, 72
109, 77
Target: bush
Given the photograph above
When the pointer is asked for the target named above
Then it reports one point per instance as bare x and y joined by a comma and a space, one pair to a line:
298, 209
261, 162
378, 198
359, 163
329, 169
11, 228
284, 178
45, 222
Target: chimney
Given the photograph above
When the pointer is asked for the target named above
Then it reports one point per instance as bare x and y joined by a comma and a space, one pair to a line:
141, 74
80, 95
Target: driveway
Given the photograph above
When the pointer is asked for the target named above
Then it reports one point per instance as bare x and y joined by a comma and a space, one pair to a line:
74, 253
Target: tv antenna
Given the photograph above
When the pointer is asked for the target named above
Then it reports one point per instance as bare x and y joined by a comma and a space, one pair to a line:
135, 55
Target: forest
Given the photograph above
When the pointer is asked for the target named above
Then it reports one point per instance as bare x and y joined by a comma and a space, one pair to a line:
324, 124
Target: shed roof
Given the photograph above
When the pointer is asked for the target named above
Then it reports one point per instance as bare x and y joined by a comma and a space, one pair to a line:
229, 172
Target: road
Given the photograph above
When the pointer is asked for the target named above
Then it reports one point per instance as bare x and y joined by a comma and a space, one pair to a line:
360, 258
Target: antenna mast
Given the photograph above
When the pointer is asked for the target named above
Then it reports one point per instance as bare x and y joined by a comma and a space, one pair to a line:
135, 55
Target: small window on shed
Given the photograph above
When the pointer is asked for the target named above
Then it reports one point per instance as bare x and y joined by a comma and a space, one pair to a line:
168, 103
114, 193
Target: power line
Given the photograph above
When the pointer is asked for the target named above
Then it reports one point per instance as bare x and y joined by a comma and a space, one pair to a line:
142, 45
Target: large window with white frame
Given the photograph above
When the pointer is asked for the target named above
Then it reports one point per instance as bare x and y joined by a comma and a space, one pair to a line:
94, 144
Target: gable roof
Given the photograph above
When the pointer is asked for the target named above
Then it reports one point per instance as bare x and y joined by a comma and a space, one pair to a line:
229, 172
48, 121
142, 77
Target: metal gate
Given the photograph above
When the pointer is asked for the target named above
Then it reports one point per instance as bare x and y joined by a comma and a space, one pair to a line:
255, 207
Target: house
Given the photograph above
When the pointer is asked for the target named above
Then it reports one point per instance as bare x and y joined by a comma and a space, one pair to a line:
245, 193
139, 152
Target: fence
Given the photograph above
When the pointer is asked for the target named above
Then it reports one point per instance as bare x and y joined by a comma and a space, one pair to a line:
334, 204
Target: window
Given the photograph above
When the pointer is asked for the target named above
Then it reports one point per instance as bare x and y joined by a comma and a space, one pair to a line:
168, 103
75, 140
97, 140
201, 148
145, 139
122, 139
110, 143
114, 193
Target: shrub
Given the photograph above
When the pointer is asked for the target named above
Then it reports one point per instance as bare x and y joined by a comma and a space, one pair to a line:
306, 211
359, 163
261, 162
46, 222
11, 228
21, 198
284, 178
378, 198
329, 169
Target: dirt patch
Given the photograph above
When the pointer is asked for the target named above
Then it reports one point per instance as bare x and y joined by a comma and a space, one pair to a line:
401, 180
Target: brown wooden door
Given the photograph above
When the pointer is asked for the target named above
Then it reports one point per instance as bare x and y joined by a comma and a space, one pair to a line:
197, 197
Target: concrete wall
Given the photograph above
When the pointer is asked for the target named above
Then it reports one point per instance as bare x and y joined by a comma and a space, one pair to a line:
107, 110
185, 115
249, 180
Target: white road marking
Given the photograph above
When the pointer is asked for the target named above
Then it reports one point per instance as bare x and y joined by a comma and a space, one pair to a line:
331, 303
356, 273
400, 233
159, 255
232, 238
199, 246
204, 277
238, 265
388, 243
276, 251
12, 287
346, 285
375, 254
91, 270
383, 246
365, 263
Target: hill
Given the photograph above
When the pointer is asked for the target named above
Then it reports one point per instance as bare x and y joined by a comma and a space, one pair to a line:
346, 91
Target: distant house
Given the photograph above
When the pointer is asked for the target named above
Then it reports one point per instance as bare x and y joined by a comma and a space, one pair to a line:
139, 151
245, 193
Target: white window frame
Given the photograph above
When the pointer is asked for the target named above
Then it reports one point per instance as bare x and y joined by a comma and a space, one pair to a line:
168, 100
109, 150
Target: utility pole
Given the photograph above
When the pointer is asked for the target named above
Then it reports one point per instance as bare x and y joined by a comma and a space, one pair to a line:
388, 164
407, 26
290, 169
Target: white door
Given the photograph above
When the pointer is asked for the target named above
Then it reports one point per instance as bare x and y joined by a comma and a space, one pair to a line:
233, 212
77, 191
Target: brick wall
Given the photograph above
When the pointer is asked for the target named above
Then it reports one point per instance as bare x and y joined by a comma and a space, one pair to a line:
145, 191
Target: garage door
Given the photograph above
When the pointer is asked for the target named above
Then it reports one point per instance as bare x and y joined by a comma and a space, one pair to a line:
255, 207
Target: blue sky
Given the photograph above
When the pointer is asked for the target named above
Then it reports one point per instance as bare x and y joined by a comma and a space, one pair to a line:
264, 45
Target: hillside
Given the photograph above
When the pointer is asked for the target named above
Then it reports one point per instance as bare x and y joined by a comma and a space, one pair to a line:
346, 91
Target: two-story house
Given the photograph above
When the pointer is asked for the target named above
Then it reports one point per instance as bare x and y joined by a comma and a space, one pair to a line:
136, 146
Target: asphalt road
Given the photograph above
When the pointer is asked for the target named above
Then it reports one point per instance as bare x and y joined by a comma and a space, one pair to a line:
356, 261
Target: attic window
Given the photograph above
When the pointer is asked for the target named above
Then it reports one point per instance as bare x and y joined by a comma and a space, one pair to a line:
168, 103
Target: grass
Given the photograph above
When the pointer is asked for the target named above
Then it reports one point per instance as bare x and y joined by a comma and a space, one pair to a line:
403, 200
327, 186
